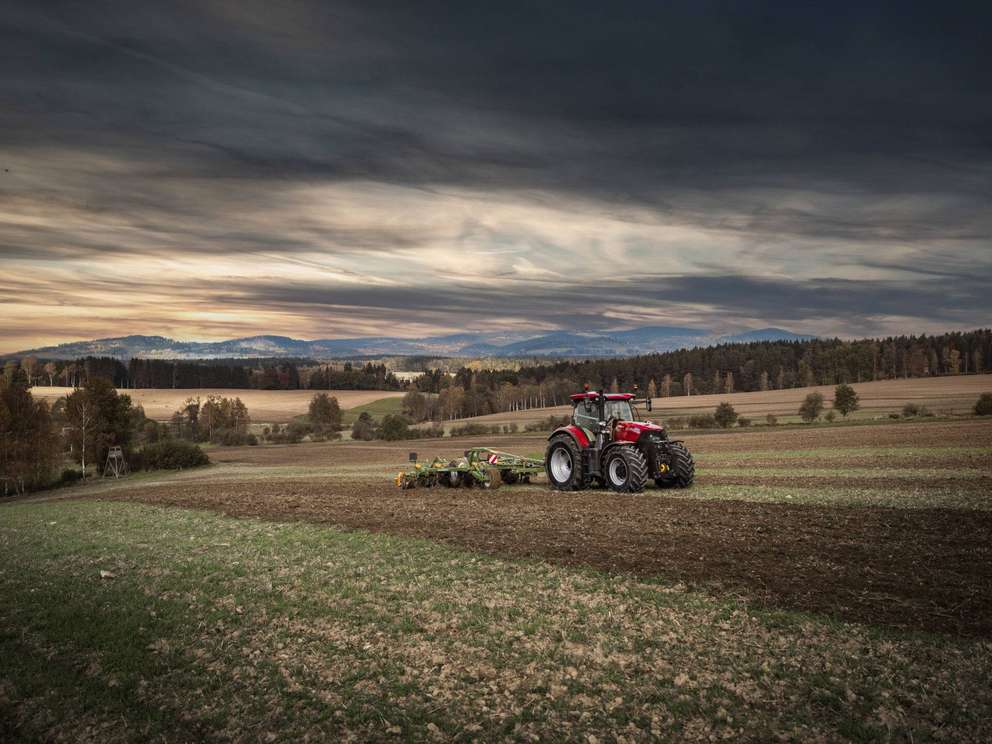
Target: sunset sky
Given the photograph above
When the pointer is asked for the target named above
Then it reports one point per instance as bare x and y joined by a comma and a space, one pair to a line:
206, 170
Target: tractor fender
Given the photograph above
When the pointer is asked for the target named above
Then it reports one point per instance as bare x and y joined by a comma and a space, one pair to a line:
573, 431
612, 447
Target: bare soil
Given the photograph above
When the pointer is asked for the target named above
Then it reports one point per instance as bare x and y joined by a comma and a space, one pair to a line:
922, 569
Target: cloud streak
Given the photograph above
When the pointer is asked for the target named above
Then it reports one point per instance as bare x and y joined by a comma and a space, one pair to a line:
345, 168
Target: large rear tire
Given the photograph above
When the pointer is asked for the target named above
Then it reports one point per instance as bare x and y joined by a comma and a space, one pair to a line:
563, 464
625, 469
683, 469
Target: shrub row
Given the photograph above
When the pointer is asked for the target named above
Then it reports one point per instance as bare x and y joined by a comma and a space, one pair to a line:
171, 454
233, 438
911, 410
296, 431
472, 430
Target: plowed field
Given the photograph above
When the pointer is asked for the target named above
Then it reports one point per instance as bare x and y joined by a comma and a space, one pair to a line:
887, 524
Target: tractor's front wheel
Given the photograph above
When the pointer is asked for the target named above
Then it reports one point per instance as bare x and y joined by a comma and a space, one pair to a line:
626, 470
563, 464
682, 469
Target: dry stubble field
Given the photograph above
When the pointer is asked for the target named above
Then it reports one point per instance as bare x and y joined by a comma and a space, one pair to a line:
826, 582
264, 406
942, 395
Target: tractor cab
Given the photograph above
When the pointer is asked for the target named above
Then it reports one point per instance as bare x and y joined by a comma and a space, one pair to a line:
611, 414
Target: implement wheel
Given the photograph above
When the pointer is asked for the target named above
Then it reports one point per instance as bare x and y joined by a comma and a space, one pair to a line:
682, 470
450, 479
492, 479
509, 477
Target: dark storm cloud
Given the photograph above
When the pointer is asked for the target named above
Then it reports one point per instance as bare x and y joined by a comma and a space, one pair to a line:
777, 300
563, 95
864, 125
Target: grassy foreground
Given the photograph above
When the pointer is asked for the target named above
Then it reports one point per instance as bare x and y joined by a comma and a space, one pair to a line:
121, 622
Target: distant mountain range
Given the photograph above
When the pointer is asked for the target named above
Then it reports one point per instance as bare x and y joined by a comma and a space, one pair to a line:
645, 340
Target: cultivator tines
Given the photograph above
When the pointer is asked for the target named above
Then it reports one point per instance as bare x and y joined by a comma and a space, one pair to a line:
481, 467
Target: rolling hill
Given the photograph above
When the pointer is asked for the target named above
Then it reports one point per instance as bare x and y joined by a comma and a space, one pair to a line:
644, 340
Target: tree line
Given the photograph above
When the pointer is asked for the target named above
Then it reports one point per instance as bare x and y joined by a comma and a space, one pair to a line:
223, 374
36, 440
729, 368
768, 365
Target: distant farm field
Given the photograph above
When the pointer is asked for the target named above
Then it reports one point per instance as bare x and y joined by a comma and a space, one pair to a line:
942, 395
264, 406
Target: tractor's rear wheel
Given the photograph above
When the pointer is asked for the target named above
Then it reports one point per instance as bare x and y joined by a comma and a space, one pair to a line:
682, 469
563, 464
626, 470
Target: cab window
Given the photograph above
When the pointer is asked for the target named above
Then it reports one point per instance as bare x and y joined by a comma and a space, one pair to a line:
587, 415
618, 409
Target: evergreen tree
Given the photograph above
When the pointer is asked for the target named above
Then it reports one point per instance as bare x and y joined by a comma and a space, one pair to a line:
725, 415
29, 445
846, 399
394, 428
364, 427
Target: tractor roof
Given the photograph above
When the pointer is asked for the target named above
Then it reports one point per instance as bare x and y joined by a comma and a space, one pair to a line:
592, 395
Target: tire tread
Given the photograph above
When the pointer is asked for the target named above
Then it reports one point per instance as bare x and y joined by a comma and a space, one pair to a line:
683, 469
579, 479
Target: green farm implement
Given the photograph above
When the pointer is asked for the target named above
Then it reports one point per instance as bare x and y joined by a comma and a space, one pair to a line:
481, 467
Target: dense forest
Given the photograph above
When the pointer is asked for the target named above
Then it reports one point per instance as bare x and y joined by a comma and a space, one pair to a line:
767, 365
784, 364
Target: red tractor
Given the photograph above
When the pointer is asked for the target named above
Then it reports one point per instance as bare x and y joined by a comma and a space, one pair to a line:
606, 444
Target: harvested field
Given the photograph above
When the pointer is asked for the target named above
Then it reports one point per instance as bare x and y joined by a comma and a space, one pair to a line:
942, 395
903, 539
264, 406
